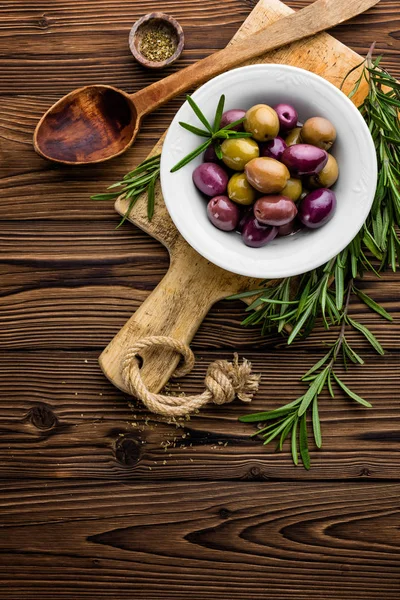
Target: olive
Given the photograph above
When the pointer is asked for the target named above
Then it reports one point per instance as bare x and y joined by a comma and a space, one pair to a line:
287, 116
289, 228
256, 235
317, 208
223, 213
239, 189
304, 159
293, 189
230, 116
211, 179
275, 210
274, 148
247, 215
210, 155
293, 137
319, 132
236, 153
327, 176
267, 175
262, 122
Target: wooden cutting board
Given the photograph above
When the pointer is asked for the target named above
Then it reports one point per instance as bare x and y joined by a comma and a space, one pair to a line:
192, 285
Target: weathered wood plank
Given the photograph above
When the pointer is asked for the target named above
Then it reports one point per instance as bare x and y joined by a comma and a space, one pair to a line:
242, 541
61, 418
72, 287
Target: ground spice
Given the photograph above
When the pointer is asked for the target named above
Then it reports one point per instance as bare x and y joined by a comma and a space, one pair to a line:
156, 45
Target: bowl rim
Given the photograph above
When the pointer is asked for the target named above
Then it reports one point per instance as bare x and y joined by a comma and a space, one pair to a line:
218, 259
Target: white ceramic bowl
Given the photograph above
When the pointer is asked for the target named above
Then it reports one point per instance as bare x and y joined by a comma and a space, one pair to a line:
354, 150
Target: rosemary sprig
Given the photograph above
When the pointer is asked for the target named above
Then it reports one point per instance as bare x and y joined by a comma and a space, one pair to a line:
214, 133
326, 292
142, 179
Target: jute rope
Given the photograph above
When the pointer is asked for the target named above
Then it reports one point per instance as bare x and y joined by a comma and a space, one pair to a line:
224, 380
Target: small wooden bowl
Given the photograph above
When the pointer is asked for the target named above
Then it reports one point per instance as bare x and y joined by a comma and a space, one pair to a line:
159, 22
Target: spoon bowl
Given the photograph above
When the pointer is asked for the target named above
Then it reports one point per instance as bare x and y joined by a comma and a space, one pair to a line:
90, 125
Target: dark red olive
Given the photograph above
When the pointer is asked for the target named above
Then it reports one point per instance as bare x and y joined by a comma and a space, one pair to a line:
275, 210
287, 116
273, 148
256, 235
304, 159
246, 216
317, 208
223, 213
289, 228
210, 155
230, 116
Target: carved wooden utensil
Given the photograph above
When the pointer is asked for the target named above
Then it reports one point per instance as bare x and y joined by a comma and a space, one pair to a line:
182, 299
98, 122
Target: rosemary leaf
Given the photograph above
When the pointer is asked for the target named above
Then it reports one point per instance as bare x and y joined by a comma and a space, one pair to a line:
350, 393
373, 305
199, 114
316, 424
191, 156
303, 443
194, 129
218, 113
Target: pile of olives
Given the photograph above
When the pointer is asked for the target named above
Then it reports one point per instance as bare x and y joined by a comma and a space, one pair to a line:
275, 182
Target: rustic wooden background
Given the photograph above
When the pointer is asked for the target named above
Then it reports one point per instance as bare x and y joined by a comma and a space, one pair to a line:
98, 500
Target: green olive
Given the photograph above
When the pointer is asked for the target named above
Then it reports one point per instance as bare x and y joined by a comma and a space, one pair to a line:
262, 122
292, 189
267, 175
293, 137
237, 152
240, 191
327, 177
319, 132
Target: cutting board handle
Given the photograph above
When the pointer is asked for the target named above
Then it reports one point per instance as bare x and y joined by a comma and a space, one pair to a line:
176, 308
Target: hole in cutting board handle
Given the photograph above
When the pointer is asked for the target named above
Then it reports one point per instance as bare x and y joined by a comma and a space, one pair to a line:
139, 360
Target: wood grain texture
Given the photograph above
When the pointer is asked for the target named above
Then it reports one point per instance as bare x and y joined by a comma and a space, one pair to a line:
242, 541
61, 418
85, 511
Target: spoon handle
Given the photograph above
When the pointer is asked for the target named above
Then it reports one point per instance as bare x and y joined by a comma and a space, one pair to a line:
316, 17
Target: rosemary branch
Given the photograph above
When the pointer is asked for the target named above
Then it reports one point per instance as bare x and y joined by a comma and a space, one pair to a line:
326, 292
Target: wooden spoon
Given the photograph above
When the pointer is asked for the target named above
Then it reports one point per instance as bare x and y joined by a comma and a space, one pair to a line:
98, 122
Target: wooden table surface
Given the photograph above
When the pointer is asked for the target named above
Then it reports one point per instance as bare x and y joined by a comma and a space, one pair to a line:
97, 499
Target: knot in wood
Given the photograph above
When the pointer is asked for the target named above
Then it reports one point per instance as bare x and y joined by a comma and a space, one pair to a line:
127, 450
43, 22
42, 417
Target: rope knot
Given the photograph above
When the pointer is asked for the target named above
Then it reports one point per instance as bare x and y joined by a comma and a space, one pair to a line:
224, 380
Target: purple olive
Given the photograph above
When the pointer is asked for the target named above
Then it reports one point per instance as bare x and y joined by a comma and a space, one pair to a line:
317, 208
273, 148
245, 216
211, 179
275, 210
289, 228
304, 159
230, 116
210, 155
256, 235
223, 213
287, 116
